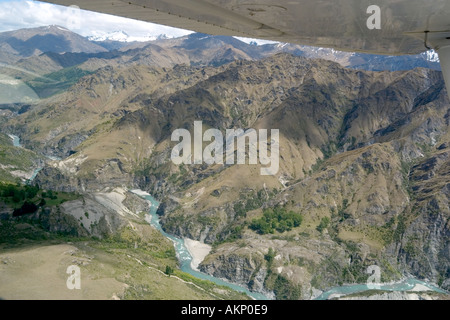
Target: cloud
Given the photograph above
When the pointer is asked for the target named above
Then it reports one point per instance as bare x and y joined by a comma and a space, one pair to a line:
18, 14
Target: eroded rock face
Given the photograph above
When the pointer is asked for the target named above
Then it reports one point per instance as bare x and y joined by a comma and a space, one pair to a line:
424, 246
366, 150
395, 296
98, 214
373, 190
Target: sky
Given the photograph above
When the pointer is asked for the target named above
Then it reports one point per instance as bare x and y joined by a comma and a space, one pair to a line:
18, 14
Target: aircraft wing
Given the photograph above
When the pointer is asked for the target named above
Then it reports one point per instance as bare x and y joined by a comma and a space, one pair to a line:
390, 27
340, 24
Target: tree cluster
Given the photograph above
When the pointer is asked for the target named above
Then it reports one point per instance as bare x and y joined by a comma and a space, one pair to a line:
276, 219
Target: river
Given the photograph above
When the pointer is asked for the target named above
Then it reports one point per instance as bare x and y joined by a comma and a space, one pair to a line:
404, 285
16, 140
185, 264
16, 143
185, 258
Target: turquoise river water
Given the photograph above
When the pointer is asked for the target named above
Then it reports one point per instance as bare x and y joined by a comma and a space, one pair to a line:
185, 265
185, 259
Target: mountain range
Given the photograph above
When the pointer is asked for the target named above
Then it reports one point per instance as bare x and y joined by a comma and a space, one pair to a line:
122, 36
47, 49
364, 154
24, 43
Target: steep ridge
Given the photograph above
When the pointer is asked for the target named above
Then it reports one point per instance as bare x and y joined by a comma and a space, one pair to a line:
363, 160
34, 41
49, 49
349, 140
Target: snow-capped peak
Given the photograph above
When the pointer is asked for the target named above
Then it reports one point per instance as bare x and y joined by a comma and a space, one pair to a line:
122, 36
281, 45
113, 36
162, 37
431, 56
54, 27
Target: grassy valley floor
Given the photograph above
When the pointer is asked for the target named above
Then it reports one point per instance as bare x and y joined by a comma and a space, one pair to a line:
131, 261
39, 271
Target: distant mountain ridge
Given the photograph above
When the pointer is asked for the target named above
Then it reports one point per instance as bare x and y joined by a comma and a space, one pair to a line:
17, 46
122, 36
364, 156
366, 151
23, 43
